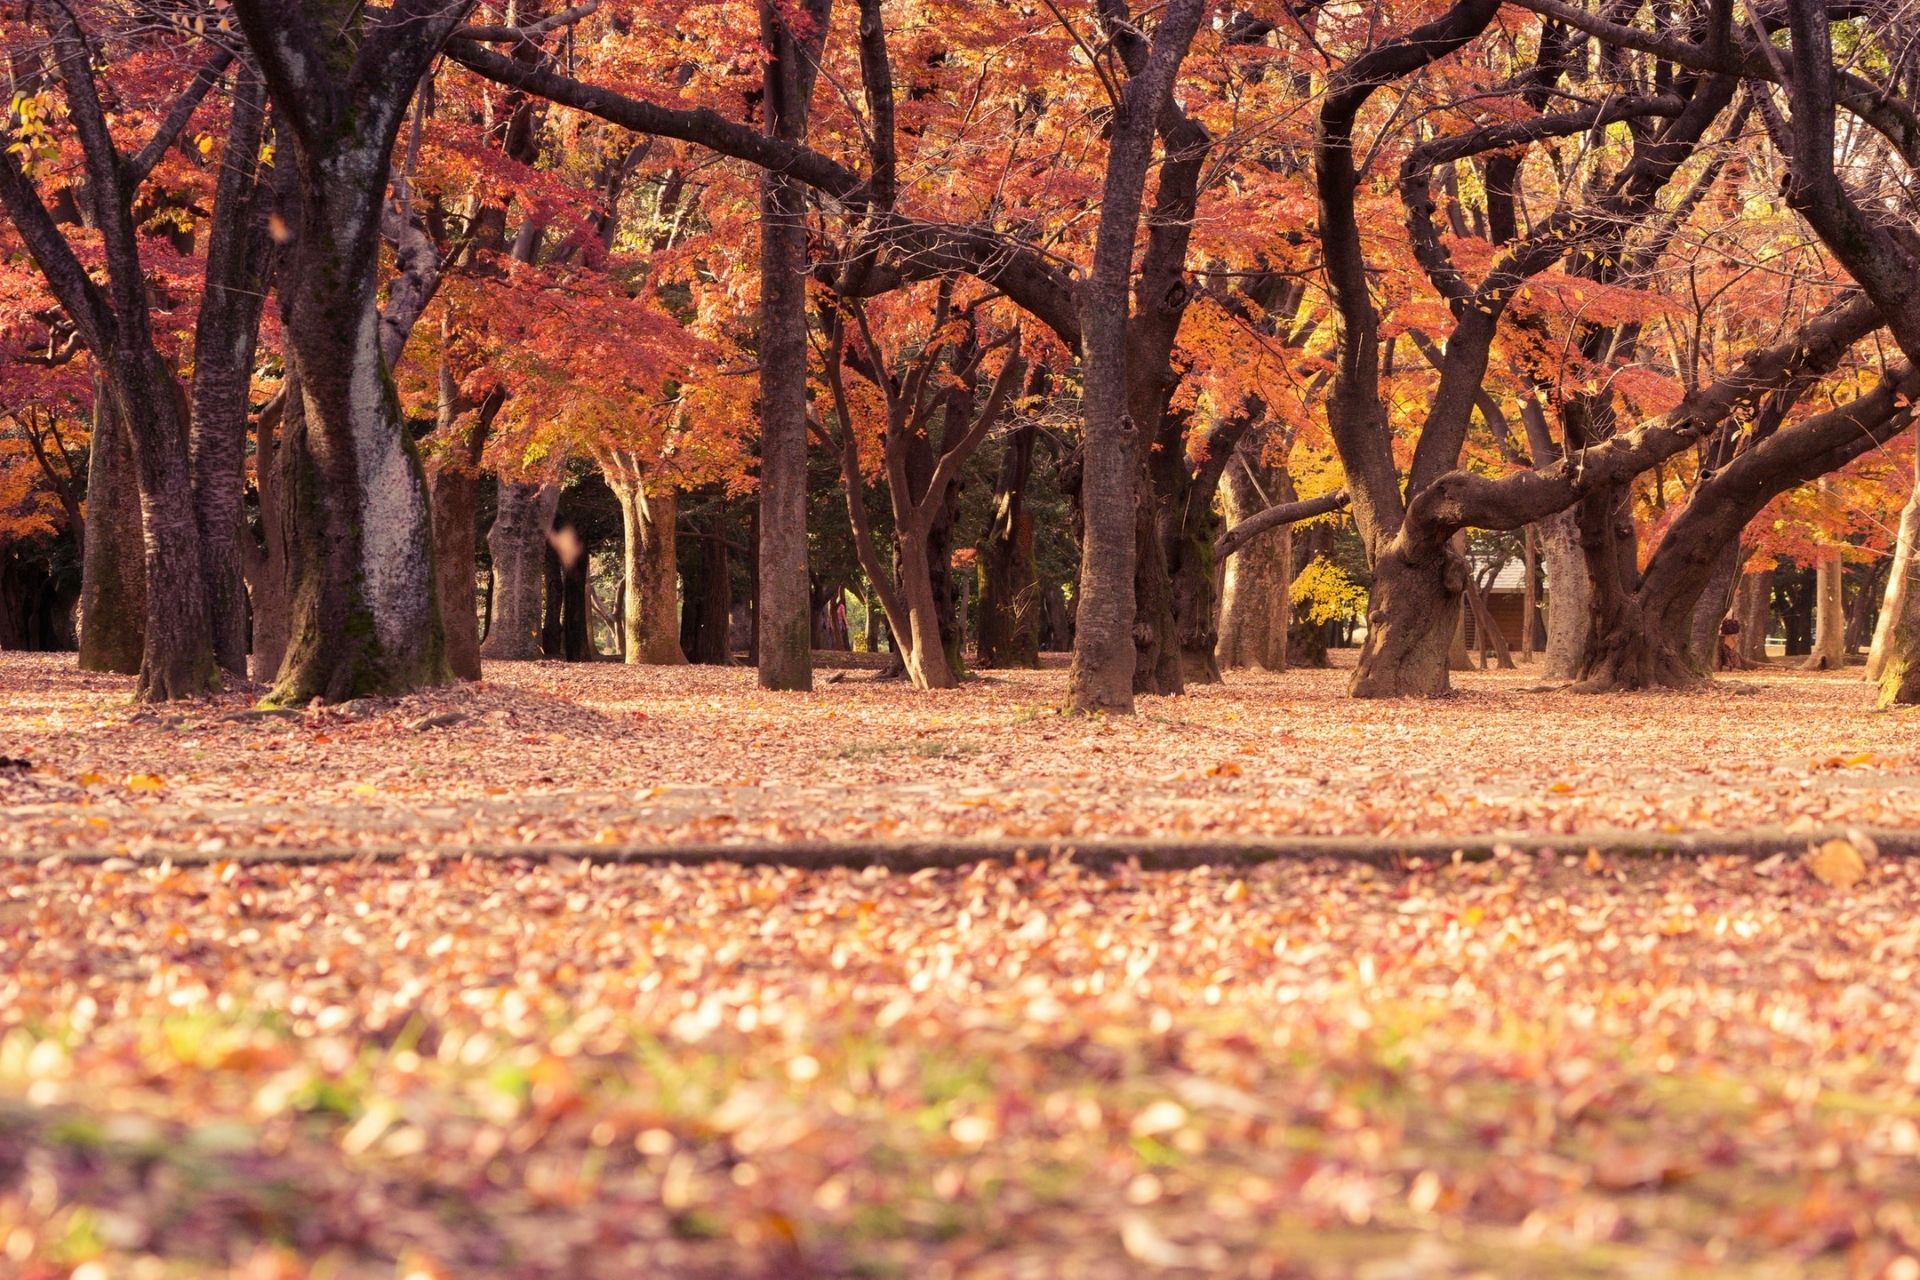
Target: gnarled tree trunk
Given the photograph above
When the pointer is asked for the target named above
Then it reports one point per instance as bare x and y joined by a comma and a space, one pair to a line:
1411, 616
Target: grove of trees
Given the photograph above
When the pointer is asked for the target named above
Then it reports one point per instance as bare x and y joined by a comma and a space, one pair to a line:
1176, 335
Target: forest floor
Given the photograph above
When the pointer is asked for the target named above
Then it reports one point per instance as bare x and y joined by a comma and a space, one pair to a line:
547, 756
216, 1060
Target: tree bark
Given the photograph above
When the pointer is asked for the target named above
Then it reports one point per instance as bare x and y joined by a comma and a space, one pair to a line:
225, 336
517, 545
1256, 607
1628, 647
1903, 586
113, 599
364, 617
782, 622
1716, 598
706, 617
1529, 598
1009, 586
1756, 613
1104, 644
266, 563
453, 543
1829, 614
651, 592
1406, 654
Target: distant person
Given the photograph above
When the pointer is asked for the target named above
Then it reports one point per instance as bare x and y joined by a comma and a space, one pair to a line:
1727, 655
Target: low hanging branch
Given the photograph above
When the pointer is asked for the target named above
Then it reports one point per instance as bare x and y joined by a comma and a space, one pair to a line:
1273, 517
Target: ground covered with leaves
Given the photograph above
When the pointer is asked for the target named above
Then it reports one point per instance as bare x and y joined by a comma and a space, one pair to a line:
476, 1056
547, 755
488, 1068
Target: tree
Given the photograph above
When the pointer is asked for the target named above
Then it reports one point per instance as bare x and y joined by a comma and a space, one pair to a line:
137, 392
358, 529
920, 477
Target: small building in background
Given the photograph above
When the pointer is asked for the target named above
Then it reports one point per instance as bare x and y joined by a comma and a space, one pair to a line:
1506, 598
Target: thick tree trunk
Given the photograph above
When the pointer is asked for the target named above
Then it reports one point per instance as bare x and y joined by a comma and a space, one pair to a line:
176, 657
454, 536
1157, 665
113, 599
1894, 661
1411, 613
1193, 572
1009, 597
364, 619
1716, 598
517, 545
1569, 596
1901, 604
1104, 653
784, 632
455, 528
1256, 607
651, 592
1629, 647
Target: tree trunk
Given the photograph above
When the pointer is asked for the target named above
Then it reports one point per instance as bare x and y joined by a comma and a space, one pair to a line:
1569, 596
364, 619
517, 544
454, 536
1491, 637
710, 604
924, 648
1869, 590
1459, 657
1102, 678
225, 337
782, 632
576, 618
1256, 606
1009, 603
1628, 648
1157, 665
1894, 661
1829, 614
651, 592
266, 562
1903, 587
1756, 613
1703, 630
1193, 572
1411, 613
113, 599
1529, 598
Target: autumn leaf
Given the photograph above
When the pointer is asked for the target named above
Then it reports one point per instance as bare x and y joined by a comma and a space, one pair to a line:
1836, 864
